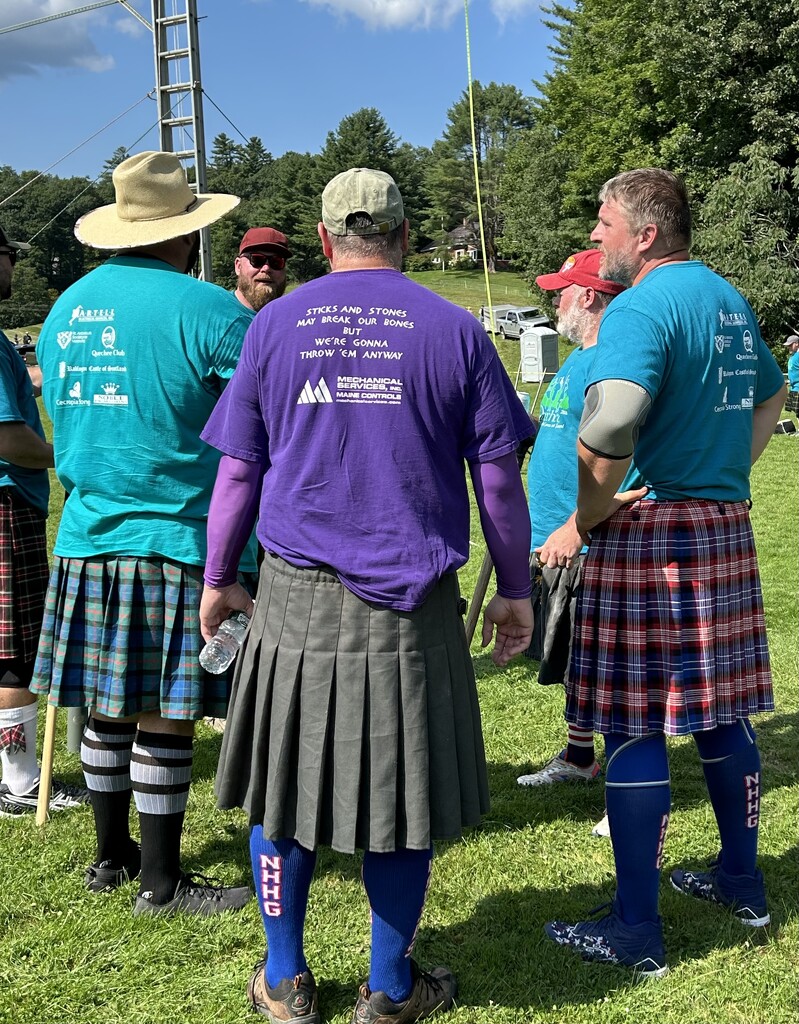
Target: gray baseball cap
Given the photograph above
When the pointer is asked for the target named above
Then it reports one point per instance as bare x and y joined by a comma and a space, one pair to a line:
362, 190
793, 339
5, 240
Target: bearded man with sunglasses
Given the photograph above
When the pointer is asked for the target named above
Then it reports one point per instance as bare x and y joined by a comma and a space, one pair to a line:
261, 267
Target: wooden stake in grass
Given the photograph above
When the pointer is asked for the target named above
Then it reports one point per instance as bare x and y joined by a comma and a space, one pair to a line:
46, 777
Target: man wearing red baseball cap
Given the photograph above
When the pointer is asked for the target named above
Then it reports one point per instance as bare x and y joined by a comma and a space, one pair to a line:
261, 267
580, 298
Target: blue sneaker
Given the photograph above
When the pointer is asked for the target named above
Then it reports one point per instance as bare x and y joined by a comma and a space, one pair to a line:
744, 895
608, 940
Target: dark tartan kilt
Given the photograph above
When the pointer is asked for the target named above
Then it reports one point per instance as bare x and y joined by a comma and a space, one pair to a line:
670, 629
23, 576
122, 635
554, 611
792, 401
350, 725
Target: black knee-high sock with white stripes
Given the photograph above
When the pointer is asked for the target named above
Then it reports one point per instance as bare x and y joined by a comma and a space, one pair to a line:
161, 774
105, 755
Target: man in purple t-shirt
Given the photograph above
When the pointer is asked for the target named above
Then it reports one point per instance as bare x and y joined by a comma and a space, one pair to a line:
359, 400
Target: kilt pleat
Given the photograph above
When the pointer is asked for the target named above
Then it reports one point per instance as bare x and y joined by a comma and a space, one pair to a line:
671, 633
350, 725
122, 636
23, 576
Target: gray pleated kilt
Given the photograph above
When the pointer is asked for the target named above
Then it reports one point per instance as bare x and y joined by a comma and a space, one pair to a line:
350, 725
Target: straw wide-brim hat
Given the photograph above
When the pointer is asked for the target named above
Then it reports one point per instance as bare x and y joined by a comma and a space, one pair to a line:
154, 204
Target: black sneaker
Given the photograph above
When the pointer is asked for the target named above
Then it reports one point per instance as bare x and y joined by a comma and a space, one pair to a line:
104, 877
195, 894
743, 895
431, 991
291, 999
63, 797
609, 940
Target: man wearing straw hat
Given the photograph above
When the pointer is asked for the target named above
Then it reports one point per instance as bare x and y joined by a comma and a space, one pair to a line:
135, 357
25, 457
354, 721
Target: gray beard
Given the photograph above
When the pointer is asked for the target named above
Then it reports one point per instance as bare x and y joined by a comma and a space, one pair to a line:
618, 268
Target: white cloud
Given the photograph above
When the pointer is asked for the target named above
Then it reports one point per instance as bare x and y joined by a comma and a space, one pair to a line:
388, 14
64, 43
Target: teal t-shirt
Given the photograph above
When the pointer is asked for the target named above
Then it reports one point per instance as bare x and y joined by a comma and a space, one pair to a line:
552, 472
134, 357
688, 337
793, 372
17, 405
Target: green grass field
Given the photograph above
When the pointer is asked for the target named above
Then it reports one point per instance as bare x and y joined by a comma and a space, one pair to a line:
69, 956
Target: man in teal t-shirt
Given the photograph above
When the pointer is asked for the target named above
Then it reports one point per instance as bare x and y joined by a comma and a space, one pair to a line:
580, 297
25, 456
672, 637
134, 357
792, 344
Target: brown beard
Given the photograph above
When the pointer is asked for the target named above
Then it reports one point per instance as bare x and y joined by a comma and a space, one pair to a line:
259, 293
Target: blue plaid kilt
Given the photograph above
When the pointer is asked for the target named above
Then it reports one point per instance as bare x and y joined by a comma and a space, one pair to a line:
23, 576
670, 630
122, 635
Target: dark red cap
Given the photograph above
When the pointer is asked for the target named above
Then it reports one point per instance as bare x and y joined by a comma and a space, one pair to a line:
581, 269
265, 238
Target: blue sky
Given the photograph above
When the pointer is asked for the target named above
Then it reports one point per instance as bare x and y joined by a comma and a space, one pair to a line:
287, 71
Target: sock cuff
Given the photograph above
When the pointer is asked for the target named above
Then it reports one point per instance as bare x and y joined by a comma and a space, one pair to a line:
101, 727
165, 740
18, 716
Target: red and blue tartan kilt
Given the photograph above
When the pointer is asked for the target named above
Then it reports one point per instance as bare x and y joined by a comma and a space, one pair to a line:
670, 633
23, 576
122, 635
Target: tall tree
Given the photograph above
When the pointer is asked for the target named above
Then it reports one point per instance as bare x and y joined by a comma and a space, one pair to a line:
501, 114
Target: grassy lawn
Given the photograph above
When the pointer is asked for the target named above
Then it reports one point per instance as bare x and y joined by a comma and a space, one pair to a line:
69, 956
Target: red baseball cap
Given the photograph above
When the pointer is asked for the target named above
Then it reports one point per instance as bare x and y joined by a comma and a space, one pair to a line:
265, 238
582, 269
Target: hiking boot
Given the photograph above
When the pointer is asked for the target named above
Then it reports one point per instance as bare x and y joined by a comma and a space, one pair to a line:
430, 992
195, 894
291, 999
560, 770
104, 877
608, 940
743, 895
63, 797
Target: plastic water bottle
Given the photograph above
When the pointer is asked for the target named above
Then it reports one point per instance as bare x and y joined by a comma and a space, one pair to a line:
218, 654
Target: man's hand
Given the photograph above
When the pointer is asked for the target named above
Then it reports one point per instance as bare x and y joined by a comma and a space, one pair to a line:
561, 546
218, 604
619, 498
513, 619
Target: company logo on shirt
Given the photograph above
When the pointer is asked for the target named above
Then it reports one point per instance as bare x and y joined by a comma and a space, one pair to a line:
723, 341
110, 396
732, 319
749, 403
109, 336
74, 391
748, 341
90, 316
320, 395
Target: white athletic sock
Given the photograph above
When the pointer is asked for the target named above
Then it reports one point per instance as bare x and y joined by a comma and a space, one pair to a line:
20, 768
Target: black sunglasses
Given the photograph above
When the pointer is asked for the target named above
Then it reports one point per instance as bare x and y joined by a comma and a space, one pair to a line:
262, 259
11, 253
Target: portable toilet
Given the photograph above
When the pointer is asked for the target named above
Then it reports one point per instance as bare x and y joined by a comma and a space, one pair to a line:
539, 353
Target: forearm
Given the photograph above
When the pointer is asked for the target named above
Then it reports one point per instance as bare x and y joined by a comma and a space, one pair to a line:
23, 447
505, 521
764, 421
231, 516
599, 480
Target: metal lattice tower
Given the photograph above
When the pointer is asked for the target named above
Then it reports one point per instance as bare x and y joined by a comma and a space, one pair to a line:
179, 96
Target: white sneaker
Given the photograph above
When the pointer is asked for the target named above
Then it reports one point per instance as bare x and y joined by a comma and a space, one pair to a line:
560, 770
63, 797
602, 829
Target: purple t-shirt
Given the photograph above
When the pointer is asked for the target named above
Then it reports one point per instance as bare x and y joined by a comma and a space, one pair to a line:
363, 393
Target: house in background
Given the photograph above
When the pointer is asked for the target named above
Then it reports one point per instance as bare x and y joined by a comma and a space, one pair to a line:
462, 243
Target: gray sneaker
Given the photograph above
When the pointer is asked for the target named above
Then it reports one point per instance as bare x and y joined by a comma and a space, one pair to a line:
196, 894
430, 992
291, 999
104, 877
63, 797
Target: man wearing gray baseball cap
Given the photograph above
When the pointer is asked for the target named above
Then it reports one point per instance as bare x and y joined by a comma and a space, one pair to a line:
354, 721
792, 344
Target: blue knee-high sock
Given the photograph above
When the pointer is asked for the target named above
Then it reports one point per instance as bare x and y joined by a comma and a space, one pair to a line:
396, 884
638, 796
731, 763
282, 871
